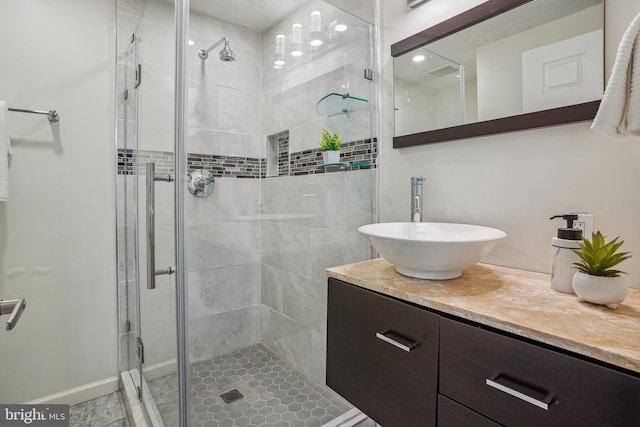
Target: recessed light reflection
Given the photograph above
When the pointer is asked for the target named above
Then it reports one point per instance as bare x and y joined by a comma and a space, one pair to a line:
341, 27
419, 58
190, 42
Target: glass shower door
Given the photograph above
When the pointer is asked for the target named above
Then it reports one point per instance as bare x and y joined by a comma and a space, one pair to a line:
156, 206
146, 33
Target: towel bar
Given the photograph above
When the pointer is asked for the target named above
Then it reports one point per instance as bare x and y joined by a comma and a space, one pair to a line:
52, 114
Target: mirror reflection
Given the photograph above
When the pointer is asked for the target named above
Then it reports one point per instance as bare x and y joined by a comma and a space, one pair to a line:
541, 55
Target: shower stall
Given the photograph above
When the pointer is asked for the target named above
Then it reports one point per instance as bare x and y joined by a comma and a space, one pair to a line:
223, 236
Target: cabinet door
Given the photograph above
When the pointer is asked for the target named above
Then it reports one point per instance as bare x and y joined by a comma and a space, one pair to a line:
452, 414
382, 356
519, 384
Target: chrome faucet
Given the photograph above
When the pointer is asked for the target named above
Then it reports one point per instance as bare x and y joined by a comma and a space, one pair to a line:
416, 198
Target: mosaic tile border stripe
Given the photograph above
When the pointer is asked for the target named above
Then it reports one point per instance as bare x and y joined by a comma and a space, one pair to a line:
361, 151
131, 162
227, 166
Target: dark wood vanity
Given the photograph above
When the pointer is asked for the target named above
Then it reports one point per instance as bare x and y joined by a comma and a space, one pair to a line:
404, 364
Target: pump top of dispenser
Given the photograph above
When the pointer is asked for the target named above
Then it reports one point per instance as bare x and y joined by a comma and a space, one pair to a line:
569, 233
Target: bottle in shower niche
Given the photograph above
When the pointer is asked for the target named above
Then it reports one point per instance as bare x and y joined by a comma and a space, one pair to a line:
562, 255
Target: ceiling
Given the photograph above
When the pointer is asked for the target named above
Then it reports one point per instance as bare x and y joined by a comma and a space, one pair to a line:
461, 47
256, 15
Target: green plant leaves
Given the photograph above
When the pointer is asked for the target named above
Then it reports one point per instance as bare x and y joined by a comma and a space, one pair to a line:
330, 142
597, 257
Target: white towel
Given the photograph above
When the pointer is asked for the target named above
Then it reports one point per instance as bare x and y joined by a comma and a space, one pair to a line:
619, 112
4, 152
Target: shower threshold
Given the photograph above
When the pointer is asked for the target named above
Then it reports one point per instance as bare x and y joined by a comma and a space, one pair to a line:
268, 391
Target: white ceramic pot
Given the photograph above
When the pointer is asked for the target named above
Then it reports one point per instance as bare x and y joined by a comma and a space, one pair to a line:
330, 157
609, 291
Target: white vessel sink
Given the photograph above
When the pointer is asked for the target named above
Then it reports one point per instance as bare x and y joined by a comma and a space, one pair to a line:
432, 250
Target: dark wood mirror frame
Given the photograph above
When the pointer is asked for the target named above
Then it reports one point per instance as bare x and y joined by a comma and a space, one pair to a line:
482, 12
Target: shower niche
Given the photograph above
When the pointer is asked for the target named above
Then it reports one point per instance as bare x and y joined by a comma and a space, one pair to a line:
278, 154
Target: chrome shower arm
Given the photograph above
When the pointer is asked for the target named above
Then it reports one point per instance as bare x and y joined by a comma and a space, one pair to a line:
204, 53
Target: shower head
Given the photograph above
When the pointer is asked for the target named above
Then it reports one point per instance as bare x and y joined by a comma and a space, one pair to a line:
226, 54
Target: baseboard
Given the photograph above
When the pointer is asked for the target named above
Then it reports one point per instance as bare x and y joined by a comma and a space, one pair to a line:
159, 370
80, 394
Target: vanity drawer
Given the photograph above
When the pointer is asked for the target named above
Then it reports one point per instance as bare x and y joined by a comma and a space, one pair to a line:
393, 386
452, 414
486, 372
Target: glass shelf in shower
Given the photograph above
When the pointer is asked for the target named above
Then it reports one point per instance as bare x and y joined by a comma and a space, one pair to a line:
334, 104
344, 166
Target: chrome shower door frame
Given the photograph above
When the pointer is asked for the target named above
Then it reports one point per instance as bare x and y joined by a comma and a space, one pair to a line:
181, 90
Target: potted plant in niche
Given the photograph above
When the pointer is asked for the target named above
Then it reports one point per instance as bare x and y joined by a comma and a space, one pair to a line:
330, 146
596, 280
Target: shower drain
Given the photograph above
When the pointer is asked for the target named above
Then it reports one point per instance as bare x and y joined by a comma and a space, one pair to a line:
231, 395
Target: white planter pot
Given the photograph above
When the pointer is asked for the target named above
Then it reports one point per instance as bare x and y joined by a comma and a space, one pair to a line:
607, 291
329, 157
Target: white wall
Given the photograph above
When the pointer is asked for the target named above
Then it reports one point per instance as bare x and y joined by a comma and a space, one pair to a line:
500, 93
415, 109
57, 245
514, 181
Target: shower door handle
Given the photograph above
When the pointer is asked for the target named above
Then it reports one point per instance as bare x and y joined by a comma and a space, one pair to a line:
151, 179
14, 307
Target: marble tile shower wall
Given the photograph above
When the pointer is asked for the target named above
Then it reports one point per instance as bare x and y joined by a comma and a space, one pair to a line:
310, 223
223, 252
289, 95
311, 220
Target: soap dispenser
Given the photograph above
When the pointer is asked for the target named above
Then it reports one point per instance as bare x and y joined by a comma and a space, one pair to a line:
562, 255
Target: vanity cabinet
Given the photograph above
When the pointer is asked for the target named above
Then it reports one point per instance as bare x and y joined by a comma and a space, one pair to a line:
462, 374
516, 383
453, 414
382, 355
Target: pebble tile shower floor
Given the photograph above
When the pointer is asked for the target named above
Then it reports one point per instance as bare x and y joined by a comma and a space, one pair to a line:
275, 393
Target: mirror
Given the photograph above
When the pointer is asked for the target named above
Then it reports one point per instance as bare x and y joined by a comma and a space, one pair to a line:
504, 65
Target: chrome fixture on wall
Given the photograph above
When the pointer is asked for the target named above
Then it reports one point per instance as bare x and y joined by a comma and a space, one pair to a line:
201, 183
51, 114
226, 54
416, 198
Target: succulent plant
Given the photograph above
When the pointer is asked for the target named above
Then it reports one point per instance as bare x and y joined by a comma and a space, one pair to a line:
330, 142
599, 257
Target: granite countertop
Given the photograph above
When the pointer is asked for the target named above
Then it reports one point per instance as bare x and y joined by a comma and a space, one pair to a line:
516, 301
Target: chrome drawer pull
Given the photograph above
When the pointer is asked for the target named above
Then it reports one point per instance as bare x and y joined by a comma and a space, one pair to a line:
383, 336
515, 393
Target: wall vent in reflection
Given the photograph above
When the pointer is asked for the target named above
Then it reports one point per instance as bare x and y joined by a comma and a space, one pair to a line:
445, 70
